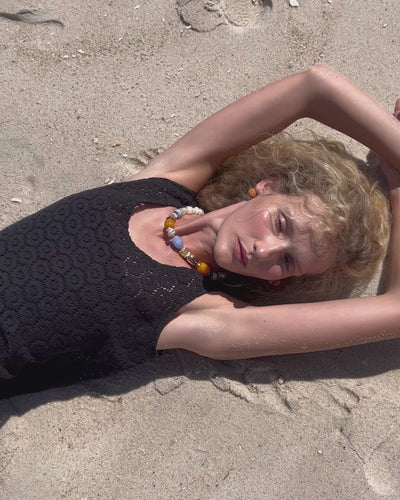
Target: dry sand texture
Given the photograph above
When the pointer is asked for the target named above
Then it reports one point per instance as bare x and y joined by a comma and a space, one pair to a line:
142, 73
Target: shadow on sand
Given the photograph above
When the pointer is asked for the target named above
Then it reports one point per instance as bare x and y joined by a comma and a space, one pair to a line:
350, 363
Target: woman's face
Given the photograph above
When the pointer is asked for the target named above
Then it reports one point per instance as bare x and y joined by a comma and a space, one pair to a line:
272, 237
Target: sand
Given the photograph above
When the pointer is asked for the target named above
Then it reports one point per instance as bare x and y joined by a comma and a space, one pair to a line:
309, 426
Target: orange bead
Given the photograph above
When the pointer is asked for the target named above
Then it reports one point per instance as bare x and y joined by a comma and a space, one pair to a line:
252, 193
203, 269
169, 222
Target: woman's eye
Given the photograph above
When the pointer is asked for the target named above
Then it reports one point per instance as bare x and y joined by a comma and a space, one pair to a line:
281, 223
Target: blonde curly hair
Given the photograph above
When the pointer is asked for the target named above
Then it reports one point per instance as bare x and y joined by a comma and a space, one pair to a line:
356, 214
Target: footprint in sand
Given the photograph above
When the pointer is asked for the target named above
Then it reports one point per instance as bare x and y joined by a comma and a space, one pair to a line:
20, 163
374, 436
131, 165
144, 157
382, 467
206, 15
261, 383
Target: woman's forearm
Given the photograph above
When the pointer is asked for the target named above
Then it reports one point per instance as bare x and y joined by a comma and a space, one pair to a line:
194, 158
340, 104
319, 93
247, 121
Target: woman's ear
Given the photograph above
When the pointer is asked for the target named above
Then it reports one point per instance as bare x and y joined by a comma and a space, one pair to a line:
267, 186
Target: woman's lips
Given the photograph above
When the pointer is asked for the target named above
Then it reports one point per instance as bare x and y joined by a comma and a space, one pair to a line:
240, 253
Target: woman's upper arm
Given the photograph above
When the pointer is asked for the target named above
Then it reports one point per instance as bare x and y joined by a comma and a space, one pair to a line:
194, 158
229, 332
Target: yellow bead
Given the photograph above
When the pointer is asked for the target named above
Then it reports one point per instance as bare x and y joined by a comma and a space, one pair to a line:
169, 222
203, 269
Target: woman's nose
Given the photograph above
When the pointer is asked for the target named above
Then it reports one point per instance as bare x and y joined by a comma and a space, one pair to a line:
269, 247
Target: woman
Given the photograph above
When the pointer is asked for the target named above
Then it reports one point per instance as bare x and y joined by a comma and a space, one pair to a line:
80, 294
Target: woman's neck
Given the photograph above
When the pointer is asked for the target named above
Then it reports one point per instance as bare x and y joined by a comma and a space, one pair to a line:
199, 233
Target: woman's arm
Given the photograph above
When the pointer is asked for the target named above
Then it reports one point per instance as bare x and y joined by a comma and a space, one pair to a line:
222, 328
341, 105
319, 93
289, 329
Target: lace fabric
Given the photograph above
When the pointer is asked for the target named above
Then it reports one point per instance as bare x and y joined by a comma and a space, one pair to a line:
75, 291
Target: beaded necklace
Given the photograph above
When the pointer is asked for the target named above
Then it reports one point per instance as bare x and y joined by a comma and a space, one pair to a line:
177, 243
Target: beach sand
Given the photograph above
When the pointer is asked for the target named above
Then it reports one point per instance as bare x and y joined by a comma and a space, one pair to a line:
309, 426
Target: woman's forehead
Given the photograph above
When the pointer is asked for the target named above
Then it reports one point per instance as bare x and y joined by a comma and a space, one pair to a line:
314, 247
306, 211
307, 204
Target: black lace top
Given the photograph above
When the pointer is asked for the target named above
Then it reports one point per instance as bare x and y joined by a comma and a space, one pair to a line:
76, 293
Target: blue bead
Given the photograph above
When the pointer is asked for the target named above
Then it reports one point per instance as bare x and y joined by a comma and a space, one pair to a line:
177, 242
178, 213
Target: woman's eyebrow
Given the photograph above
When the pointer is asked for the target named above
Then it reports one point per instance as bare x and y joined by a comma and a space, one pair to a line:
294, 230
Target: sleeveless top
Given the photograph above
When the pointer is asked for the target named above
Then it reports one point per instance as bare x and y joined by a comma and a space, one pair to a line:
77, 295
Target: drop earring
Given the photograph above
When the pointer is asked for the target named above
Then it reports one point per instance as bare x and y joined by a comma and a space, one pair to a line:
275, 283
252, 193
